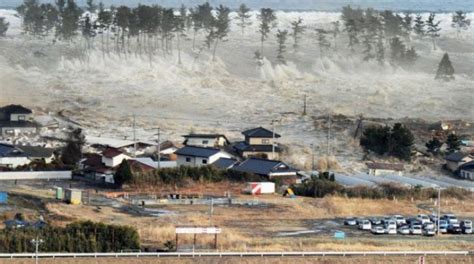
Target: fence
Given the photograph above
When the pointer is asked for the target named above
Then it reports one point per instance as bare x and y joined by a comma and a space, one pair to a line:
35, 175
238, 254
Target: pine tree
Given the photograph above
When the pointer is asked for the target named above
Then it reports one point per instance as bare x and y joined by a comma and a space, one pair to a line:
281, 40
297, 29
410, 56
453, 142
323, 43
72, 152
3, 27
123, 174
267, 22
91, 7
433, 28
460, 21
180, 27
351, 29
380, 50
397, 49
407, 25
335, 32
243, 17
368, 47
419, 27
445, 69
221, 26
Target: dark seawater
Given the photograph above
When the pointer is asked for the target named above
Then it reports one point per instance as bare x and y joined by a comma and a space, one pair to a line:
314, 5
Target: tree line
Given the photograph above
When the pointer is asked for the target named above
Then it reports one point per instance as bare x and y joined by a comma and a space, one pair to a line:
154, 30
76, 237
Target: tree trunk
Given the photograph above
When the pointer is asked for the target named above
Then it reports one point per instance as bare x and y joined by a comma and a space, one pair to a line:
179, 47
215, 48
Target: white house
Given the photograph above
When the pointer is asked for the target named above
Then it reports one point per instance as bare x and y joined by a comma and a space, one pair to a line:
199, 156
466, 170
113, 157
12, 157
206, 140
456, 159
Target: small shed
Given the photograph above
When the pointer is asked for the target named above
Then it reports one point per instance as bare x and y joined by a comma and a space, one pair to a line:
3, 198
73, 196
59, 193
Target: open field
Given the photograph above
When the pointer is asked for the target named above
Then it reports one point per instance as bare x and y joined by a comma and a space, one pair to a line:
276, 260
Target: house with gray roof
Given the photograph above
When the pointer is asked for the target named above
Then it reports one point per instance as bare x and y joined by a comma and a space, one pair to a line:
12, 157
206, 140
38, 153
456, 159
16, 119
268, 168
259, 142
199, 156
225, 163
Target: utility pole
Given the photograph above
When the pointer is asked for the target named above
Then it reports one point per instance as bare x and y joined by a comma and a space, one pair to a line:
134, 139
159, 148
304, 105
36, 242
211, 211
312, 158
439, 209
329, 136
273, 138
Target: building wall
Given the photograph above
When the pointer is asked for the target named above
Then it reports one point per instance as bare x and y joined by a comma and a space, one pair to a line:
248, 154
13, 162
453, 166
115, 161
467, 174
36, 175
199, 161
259, 141
21, 117
12, 131
201, 142
377, 172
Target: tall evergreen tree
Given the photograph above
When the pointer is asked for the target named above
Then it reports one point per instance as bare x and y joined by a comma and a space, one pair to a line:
91, 6
434, 145
220, 27
281, 40
72, 151
460, 21
123, 174
297, 29
335, 32
380, 53
433, 28
352, 33
453, 142
70, 20
32, 16
323, 43
3, 27
419, 27
393, 24
267, 22
243, 17
407, 25
397, 50
181, 22
445, 69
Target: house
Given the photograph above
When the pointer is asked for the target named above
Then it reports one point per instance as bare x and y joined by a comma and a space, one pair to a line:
126, 146
154, 163
167, 147
259, 142
113, 157
268, 168
376, 168
16, 119
199, 156
456, 159
206, 140
37, 153
225, 163
466, 170
12, 157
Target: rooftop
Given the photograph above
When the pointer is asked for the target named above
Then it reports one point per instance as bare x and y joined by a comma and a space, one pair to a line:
224, 163
15, 109
7, 150
243, 147
197, 151
111, 153
456, 156
203, 135
36, 152
259, 132
264, 166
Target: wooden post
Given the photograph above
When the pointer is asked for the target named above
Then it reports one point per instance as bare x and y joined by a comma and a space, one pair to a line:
176, 241
194, 242
215, 241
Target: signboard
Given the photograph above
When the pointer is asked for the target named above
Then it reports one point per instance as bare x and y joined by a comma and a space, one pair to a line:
339, 235
198, 230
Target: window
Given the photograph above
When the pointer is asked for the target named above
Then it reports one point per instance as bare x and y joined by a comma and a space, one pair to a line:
188, 159
265, 141
205, 142
204, 161
21, 118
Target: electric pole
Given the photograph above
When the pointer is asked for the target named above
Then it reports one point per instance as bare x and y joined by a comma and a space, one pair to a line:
273, 138
304, 105
329, 136
159, 148
312, 158
439, 209
36, 242
134, 139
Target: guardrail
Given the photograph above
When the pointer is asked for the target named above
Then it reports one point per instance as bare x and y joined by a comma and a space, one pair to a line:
237, 254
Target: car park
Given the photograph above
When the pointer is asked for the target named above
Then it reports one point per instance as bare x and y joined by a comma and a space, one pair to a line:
454, 229
467, 230
390, 224
423, 218
391, 230
416, 230
365, 225
429, 225
377, 230
400, 220
404, 230
429, 232
350, 221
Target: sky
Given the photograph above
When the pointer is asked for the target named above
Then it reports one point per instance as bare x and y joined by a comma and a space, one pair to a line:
319, 5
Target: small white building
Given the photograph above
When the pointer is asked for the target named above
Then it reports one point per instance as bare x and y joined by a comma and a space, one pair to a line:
12, 157
199, 156
376, 168
206, 140
466, 171
113, 157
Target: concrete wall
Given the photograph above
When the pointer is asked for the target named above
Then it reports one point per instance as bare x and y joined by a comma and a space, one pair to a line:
36, 175
12, 131
377, 172
467, 174
21, 117
115, 161
198, 161
260, 141
13, 162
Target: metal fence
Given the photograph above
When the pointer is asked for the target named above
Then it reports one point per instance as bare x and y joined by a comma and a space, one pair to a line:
35, 175
238, 254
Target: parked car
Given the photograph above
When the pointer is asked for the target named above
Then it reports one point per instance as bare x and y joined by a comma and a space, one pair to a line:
390, 224
377, 230
467, 230
452, 219
429, 225
433, 218
416, 230
411, 221
404, 230
454, 228
365, 225
400, 220
391, 230
443, 226
429, 232
423, 218
466, 223
375, 221
351, 221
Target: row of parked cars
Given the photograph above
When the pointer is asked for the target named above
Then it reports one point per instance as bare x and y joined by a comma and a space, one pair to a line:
420, 225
